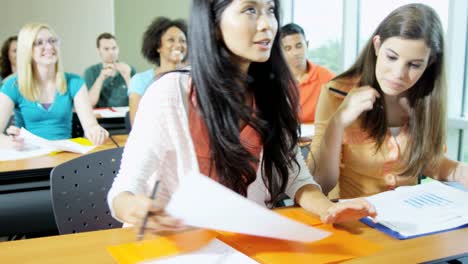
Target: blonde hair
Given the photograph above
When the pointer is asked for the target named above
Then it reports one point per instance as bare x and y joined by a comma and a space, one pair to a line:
26, 79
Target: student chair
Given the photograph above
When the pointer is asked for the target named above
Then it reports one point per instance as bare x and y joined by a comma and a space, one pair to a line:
79, 192
128, 124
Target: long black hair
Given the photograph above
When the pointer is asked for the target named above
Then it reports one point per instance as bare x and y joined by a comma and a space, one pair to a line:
5, 63
221, 89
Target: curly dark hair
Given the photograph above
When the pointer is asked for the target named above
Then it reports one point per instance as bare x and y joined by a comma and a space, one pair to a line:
5, 64
153, 34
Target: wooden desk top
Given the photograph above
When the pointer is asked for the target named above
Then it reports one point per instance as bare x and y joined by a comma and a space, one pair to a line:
120, 140
51, 161
90, 247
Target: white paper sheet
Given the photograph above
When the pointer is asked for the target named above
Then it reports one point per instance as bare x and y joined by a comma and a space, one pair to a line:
8, 154
307, 130
216, 252
55, 145
36, 146
202, 202
421, 209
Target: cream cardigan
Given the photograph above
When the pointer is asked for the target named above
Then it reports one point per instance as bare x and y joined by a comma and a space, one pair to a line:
160, 147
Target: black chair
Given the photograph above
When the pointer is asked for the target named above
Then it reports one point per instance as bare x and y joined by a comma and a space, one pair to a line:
77, 130
79, 190
128, 124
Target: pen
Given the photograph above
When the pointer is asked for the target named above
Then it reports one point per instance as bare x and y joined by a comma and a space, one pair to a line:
345, 94
143, 226
337, 91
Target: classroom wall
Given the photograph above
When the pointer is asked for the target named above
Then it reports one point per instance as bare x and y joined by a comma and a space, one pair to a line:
76, 22
132, 19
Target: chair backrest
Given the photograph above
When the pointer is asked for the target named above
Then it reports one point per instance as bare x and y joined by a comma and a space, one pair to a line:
77, 130
128, 124
79, 190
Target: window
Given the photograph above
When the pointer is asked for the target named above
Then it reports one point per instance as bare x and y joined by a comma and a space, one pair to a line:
373, 12
325, 44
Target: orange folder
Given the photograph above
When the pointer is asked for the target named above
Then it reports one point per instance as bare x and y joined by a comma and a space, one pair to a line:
340, 246
163, 246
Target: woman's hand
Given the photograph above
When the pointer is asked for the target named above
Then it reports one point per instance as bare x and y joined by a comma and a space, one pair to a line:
348, 211
357, 101
16, 141
96, 134
133, 209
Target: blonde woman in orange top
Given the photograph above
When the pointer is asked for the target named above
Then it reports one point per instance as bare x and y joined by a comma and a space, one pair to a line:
382, 123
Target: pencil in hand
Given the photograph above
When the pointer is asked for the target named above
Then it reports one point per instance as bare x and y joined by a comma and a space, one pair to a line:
141, 233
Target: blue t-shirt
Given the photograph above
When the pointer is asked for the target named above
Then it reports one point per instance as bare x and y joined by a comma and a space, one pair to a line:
141, 81
52, 123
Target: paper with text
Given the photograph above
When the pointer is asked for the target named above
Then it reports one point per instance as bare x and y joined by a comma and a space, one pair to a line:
421, 209
202, 202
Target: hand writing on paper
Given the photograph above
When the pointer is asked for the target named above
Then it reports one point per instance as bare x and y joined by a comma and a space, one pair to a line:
16, 141
132, 209
348, 211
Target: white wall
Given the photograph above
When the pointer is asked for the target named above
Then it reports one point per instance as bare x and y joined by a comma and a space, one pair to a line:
77, 22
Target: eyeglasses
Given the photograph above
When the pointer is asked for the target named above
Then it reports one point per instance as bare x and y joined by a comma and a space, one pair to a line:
42, 42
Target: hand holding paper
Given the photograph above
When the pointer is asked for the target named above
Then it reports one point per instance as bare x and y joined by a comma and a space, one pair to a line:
36, 146
202, 202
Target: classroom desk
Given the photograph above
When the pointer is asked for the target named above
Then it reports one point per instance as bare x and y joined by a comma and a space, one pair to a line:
25, 202
114, 125
90, 247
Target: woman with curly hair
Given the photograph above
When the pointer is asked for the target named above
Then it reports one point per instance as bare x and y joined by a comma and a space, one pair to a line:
165, 46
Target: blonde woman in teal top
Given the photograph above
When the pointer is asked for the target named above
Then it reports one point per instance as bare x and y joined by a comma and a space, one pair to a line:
42, 95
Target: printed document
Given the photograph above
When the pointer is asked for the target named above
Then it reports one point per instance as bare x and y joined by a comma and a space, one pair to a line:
421, 209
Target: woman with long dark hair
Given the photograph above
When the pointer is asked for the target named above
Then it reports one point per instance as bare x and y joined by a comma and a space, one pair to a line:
382, 123
233, 118
8, 57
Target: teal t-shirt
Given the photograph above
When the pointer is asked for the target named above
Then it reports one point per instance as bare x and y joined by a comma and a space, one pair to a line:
141, 81
114, 89
52, 123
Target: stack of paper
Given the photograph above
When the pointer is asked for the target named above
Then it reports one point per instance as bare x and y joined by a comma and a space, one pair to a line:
36, 146
422, 209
